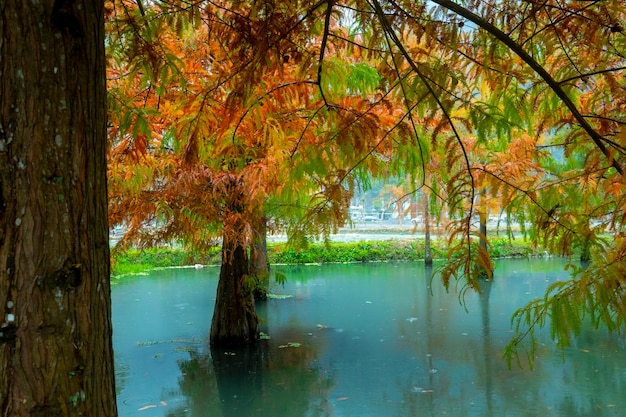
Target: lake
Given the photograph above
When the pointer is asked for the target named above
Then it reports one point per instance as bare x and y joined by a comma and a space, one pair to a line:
356, 340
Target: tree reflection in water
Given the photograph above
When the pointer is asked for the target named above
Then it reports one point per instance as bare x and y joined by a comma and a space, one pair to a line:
376, 340
270, 378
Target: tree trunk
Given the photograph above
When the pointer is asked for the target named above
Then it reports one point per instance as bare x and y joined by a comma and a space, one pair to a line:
259, 263
56, 356
235, 321
482, 230
585, 253
585, 250
482, 216
428, 254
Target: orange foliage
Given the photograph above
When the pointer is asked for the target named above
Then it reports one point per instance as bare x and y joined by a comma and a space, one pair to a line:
215, 120
276, 94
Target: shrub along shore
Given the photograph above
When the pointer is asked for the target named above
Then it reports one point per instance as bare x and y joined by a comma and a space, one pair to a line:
137, 261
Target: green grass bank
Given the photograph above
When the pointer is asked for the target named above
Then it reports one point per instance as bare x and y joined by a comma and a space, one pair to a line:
136, 261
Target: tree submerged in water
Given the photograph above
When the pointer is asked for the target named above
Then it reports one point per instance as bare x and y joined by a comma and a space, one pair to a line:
514, 109
216, 133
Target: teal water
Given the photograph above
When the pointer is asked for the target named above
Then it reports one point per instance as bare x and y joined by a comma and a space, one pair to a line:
356, 340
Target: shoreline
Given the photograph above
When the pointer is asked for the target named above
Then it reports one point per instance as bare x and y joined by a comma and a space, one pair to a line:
370, 248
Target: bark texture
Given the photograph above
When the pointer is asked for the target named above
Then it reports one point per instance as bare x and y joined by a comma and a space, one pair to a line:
56, 357
235, 321
259, 263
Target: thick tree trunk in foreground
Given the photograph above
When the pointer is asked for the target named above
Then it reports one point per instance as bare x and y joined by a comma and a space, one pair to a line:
235, 321
56, 357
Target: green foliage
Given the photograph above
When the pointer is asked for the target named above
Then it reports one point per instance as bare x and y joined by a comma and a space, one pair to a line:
382, 251
134, 261
411, 250
505, 248
595, 297
353, 79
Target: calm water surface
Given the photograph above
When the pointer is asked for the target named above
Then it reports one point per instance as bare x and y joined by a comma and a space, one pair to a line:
356, 340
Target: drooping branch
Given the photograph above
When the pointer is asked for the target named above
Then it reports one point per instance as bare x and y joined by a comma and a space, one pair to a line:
555, 86
329, 10
394, 38
566, 15
526, 193
391, 33
409, 112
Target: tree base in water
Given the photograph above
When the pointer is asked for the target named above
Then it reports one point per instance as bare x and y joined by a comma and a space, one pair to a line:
235, 321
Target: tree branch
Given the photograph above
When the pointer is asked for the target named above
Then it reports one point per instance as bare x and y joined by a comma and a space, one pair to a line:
329, 10
539, 69
394, 37
589, 74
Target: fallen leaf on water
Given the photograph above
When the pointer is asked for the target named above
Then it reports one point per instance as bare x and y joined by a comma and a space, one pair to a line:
147, 407
279, 296
290, 344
